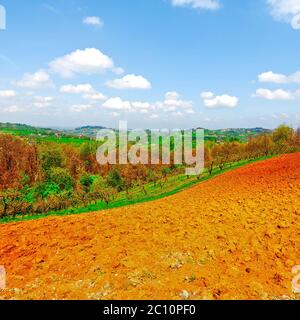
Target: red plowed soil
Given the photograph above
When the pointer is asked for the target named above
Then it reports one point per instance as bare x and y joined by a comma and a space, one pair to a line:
234, 237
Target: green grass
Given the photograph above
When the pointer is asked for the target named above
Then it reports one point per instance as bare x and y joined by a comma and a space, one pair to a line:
175, 184
44, 136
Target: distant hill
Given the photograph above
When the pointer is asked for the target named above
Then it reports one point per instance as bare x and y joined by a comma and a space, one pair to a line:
25, 129
20, 126
239, 134
230, 134
86, 131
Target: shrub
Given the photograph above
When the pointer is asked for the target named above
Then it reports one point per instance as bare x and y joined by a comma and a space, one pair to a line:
45, 189
102, 191
115, 180
51, 157
62, 178
86, 181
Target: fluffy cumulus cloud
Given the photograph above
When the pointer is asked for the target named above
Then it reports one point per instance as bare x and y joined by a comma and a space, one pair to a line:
35, 80
7, 93
287, 11
198, 4
88, 61
279, 78
86, 90
210, 100
278, 94
96, 96
77, 89
117, 104
130, 81
171, 105
42, 102
93, 21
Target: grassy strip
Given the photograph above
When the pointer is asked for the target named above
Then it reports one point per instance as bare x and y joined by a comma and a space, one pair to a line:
46, 137
154, 193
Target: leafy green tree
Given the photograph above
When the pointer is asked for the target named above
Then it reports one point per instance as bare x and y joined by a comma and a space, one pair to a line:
282, 133
12, 203
62, 178
102, 191
86, 180
115, 180
46, 189
282, 137
265, 144
51, 157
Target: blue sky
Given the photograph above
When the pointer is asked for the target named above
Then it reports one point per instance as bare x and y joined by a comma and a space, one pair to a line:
155, 63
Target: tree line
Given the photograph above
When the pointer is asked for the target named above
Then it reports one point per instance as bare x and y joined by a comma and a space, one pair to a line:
40, 177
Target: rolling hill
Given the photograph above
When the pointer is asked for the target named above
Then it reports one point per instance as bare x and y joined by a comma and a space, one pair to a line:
232, 237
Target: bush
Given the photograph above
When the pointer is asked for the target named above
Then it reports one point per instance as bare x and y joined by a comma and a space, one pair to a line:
102, 191
46, 189
115, 180
86, 181
51, 157
62, 178
12, 203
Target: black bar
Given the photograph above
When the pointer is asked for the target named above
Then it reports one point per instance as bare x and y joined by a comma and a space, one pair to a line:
90, 310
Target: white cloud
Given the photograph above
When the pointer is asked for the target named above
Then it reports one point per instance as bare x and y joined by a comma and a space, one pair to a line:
130, 81
172, 105
198, 4
80, 107
141, 105
77, 89
274, 95
12, 109
118, 70
95, 96
173, 102
42, 102
272, 77
117, 104
35, 80
172, 95
287, 11
210, 100
207, 95
88, 61
87, 90
7, 93
93, 21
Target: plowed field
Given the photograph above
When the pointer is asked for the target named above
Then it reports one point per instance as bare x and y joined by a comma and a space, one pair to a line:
233, 237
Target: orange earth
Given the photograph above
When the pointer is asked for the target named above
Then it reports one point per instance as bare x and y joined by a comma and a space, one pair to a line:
234, 237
